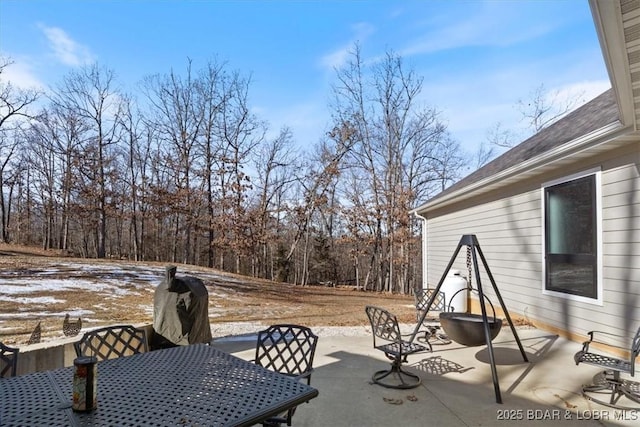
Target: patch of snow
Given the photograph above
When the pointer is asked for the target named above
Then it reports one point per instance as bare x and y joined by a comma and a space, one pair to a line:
26, 286
16, 289
227, 329
36, 314
32, 300
147, 309
77, 312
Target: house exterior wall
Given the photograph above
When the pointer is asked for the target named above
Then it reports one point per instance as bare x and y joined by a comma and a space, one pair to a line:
508, 224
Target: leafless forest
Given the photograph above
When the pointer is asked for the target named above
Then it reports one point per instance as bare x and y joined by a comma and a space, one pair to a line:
181, 169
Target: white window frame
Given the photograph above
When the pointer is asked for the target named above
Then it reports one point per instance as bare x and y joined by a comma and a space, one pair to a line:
597, 172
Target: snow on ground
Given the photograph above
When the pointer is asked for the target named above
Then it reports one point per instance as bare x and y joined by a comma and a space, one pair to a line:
46, 294
112, 281
29, 300
44, 284
121, 280
28, 314
111, 292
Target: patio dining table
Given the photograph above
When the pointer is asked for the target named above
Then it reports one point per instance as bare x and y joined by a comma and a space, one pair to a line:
188, 385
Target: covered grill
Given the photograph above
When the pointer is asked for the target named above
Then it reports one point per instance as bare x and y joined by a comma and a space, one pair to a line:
180, 311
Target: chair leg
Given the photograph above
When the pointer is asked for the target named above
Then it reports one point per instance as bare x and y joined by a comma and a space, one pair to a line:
440, 337
609, 383
427, 336
405, 379
278, 421
631, 389
434, 335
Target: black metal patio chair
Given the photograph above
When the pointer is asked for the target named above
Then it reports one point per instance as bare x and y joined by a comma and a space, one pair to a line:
384, 327
433, 333
289, 350
8, 360
112, 342
608, 382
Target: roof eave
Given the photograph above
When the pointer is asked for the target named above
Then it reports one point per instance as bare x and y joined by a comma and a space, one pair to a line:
607, 17
546, 160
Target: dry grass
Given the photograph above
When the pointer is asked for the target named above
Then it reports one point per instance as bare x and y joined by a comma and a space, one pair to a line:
231, 298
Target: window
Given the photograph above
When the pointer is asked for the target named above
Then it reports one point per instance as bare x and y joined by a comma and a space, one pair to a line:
571, 238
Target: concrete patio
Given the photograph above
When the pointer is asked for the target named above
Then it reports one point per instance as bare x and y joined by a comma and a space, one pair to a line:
457, 387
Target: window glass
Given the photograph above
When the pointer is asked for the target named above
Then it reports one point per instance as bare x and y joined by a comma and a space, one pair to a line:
571, 237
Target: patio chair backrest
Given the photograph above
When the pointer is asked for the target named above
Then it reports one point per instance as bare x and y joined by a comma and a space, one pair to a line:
384, 325
422, 297
8, 361
288, 349
635, 350
112, 342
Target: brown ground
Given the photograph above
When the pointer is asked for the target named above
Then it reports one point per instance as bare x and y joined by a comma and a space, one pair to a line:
231, 298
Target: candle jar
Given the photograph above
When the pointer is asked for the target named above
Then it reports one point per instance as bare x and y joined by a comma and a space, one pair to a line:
85, 384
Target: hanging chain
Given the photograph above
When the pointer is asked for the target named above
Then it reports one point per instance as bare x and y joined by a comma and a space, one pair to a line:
469, 266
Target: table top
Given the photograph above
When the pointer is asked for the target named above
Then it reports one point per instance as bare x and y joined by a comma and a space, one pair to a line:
188, 385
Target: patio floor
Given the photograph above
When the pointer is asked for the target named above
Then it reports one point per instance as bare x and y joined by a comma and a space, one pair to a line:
457, 387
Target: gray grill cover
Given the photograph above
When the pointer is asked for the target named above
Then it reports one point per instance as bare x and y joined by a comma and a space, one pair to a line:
180, 311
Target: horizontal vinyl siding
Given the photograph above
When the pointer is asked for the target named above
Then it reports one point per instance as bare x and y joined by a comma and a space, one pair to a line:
621, 248
508, 232
510, 235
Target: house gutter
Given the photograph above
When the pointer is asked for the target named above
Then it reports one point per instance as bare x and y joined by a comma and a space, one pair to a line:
425, 265
607, 16
505, 177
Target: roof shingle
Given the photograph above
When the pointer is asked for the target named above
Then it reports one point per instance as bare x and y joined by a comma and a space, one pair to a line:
597, 113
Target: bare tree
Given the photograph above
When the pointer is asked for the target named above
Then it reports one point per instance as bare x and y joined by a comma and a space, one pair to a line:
402, 148
90, 94
46, 169
319, 216
542, 109
276, 165
191, 176
178, 116
214, 97
9, 173
357, 239
316, 181
546, 107
14, 104
240, 132
138, 137
55, 142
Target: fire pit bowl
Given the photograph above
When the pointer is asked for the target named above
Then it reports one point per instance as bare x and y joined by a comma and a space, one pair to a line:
468, 329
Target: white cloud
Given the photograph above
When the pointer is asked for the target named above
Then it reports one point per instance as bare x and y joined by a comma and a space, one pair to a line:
65, 49
21, 75
493, 25
336, 59
471, 110
307, 121
339, 57
580, 92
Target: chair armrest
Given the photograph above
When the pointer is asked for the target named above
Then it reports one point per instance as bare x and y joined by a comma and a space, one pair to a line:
592, 335
601, 338
304, 375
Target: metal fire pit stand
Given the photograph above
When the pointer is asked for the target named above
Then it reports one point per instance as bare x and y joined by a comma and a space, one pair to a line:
471, 241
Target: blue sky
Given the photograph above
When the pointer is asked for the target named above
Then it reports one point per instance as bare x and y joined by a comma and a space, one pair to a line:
477, 58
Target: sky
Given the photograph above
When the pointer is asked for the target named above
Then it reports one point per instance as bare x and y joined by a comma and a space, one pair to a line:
477, 58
